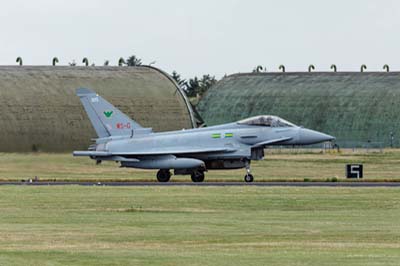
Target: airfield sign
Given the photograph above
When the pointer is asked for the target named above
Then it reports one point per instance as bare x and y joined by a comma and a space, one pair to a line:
354, 171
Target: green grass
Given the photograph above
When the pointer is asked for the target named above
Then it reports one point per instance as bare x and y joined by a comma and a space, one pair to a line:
286, 165
199, 226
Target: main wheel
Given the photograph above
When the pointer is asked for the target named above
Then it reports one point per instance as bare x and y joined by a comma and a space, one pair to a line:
163, 176
248, 178
197, 176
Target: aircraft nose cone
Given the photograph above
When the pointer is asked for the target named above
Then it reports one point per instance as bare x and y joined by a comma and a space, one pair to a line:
308, 136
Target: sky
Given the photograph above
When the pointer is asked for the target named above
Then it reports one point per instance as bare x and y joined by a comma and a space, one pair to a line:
204, 37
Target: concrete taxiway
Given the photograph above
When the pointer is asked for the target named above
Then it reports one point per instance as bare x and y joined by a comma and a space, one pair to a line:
208, 184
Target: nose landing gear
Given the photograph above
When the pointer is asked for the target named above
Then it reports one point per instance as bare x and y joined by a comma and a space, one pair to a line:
248, 178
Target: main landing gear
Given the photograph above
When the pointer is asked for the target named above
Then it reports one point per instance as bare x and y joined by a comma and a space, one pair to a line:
163, 176
248, 178
197, 176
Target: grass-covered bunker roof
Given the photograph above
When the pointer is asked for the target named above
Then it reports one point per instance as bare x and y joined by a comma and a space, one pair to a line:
40, 111
358, 108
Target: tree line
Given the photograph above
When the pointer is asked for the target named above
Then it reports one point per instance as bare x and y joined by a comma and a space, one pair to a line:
195, 87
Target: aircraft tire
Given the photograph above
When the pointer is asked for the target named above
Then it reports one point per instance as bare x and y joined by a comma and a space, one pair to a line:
197, 176
163, 176
249, 178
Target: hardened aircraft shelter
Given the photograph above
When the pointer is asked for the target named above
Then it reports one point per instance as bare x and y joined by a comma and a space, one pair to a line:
40, 111
359, 109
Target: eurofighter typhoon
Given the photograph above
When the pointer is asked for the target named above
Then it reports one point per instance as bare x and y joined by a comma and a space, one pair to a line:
186, 152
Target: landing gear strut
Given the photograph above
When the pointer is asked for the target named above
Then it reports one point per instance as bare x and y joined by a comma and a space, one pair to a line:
198, 176
163, 176
248, 178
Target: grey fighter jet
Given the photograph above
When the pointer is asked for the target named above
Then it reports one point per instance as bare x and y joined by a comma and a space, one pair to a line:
186, 152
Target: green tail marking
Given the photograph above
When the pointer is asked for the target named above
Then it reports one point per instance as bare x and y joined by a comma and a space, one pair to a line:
108, 114
228, 135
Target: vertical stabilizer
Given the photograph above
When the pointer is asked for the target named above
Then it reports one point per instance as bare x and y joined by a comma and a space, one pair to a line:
105, 118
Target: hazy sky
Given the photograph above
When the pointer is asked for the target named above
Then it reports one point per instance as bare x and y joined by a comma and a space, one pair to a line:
207, 36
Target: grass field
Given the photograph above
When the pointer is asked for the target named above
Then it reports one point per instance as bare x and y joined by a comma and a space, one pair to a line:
199, 226
286, 165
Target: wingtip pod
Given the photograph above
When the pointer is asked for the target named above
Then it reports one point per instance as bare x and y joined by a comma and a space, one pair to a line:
84, 91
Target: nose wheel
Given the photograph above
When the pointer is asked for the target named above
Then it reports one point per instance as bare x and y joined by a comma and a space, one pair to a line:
163, 176
248, 178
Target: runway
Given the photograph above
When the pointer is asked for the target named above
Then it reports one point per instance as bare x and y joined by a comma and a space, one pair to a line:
206, 184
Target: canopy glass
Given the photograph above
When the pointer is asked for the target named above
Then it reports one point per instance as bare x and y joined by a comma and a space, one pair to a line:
266, 121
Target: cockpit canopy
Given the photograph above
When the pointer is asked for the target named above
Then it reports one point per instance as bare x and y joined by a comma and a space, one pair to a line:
266, 121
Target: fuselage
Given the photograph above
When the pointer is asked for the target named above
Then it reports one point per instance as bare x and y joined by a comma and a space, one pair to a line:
229, 135
239, 139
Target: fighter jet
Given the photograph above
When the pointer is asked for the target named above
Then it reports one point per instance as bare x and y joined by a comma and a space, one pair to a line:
186, 152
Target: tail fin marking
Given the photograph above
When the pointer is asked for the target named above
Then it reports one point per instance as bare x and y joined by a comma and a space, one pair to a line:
106, 119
